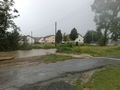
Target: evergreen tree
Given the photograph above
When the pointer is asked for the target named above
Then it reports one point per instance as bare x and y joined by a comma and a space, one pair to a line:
91, 37
59, 37
73, 34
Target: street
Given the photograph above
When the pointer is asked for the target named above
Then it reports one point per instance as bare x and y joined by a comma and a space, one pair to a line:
13, 79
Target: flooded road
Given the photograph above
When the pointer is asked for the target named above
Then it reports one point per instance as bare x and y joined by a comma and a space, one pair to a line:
14, 79
27, 53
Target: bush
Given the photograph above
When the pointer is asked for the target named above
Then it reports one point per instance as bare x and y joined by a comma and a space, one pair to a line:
43, 46
26, 47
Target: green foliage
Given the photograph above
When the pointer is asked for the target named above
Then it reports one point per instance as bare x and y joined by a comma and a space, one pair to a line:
92, 50
64, 47
25, 46
8, 40
55, 58
65, 38
78, 85
58, 37
115, 29
106, 79
73, 34
91, 37
43, 46
13, 40
101, 41
107, 18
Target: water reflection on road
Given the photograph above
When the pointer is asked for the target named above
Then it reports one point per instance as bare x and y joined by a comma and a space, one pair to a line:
27, 53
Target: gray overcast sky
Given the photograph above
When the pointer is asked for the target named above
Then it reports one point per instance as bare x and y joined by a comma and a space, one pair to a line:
39, 16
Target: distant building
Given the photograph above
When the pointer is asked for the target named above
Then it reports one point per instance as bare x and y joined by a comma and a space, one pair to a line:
49, 39
30, 40
39, 40
27, 39
112, 42
80, 39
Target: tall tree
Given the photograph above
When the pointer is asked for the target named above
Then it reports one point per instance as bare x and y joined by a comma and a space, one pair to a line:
7, 14
58, 36
107, 13
13, 40
91, 36
73, 34
115, 29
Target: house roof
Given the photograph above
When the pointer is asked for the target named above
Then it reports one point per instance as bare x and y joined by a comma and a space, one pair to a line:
29, 36
80, 35
48, 36
37, 38
68, 35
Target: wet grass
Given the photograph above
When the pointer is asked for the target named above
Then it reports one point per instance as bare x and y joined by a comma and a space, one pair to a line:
92, 50
54, 58
106, 79
43, 46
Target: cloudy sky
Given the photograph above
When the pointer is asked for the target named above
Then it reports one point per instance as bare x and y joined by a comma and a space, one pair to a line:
39, 16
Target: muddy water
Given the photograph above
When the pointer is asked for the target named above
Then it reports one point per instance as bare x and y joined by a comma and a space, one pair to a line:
27, 53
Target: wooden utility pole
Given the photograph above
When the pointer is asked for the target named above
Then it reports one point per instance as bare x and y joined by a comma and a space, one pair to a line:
55, 33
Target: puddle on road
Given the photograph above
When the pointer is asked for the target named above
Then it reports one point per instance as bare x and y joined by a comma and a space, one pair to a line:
27, 53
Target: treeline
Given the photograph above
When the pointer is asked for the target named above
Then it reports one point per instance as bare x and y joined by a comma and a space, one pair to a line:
9, 32
107, 19
70, 37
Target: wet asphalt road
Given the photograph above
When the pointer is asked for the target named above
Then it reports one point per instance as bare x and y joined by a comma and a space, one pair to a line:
13, 79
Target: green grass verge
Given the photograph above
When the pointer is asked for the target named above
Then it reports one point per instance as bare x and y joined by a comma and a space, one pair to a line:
92, 50
106, 79
54, 58
43, 46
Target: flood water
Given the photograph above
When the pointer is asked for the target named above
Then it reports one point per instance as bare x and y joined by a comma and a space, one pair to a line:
27, 53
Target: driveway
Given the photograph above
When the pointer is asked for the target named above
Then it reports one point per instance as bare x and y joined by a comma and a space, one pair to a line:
13, 79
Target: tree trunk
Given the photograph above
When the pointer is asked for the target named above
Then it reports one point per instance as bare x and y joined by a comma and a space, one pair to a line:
105, 37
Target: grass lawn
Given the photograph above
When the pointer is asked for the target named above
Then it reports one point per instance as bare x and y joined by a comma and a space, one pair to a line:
92, 50
43, 46
106, 79
54, 58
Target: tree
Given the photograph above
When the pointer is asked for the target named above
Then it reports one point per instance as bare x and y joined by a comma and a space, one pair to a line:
115, 29
107, 13
59, 37
7, 14
13, 39
91, 36
73, 34
65, 37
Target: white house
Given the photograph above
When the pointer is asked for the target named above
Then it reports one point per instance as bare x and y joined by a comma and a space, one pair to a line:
80, 39
41, 40
112, 42
49, 39
27, 39
30, 40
